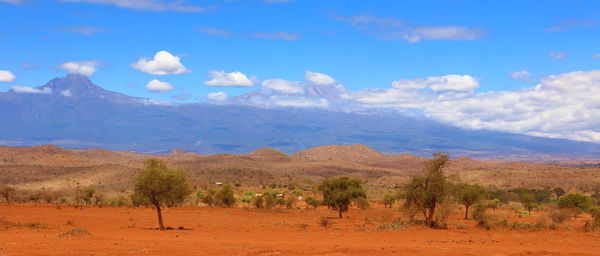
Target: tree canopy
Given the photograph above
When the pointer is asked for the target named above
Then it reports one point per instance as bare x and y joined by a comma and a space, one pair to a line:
339, 193
159, 186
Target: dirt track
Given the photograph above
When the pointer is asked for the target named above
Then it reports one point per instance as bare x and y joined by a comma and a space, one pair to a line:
217, 231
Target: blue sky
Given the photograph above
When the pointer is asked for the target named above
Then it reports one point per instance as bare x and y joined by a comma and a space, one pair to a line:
505, 46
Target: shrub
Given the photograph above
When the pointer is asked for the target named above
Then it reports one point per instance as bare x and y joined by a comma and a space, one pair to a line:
559, 216
494, 203
397, 224
258, 201
529, 202
75, 232
290, 201
207, 197
85, 195
7, 193
578, 202
225, 196
363, 203
514, 206
558, 192
313, 202
593, 225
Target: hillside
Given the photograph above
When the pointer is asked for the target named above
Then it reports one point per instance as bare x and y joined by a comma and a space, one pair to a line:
91, 117
54, 168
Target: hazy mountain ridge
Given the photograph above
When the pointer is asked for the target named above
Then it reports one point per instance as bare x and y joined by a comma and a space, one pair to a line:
91, 117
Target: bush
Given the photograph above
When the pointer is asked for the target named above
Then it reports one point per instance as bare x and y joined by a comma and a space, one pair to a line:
225, 196
363, 203
258, 201
313, 202
389, 199
290, 201
397, 224
559, 216
593, 225
207, 197
578, 202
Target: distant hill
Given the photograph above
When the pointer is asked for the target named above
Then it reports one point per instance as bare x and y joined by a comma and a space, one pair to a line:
75, 113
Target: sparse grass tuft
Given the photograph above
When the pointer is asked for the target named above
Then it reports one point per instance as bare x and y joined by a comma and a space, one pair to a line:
76, 232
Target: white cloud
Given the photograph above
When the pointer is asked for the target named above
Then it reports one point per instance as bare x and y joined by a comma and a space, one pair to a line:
149, 102
390, 28
158, 86
27, 89
439, 83
6, 76
318, 78
151, 5
557, 55
220, 78
86, 68
300, 102
264, 35
217, 96
284, 86
66, 93
561, 106
522, 75
163, 63
85, 30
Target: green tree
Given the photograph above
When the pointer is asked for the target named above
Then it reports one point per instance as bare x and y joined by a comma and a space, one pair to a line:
559, 192
577, 202
338, 193
159, 186
225, 196
428, 188
494, 203
467, 195
529, 202
389, 199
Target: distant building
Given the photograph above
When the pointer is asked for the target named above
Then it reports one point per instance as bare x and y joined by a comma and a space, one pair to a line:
219, 183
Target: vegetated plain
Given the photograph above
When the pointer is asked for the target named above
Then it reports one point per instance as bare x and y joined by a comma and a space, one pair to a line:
73, 202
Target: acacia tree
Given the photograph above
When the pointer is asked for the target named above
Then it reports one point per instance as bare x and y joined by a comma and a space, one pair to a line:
389, 199
428, 188
339, 193
159, 186
468, 194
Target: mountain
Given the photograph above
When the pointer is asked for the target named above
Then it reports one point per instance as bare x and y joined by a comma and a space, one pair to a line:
74, 113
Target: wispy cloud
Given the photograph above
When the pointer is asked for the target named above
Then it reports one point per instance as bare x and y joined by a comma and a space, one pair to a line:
557, 55
27, 89
522, 75
84, 30
150, 5
568, 24
390, 28
11, 1
264, 35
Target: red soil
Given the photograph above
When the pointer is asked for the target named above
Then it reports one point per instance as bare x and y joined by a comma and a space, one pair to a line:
217, 231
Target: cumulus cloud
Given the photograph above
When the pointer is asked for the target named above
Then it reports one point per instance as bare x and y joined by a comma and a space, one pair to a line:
34, 90
264, 35
163, 63
557, 55
284, 86
390, 28
522, 75
6, 76
158, 86
86, 68
318, 78
237, 79
217, 96
150, 5
560, 106
85, 30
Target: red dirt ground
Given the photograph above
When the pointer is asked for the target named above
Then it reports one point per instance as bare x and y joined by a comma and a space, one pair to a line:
217, 231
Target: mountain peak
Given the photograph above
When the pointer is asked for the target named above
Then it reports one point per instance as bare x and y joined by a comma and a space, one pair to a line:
71, 82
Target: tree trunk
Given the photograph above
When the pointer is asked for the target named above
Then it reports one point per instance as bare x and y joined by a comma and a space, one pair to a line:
340, 208
429, 219
466, 212
160, 221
